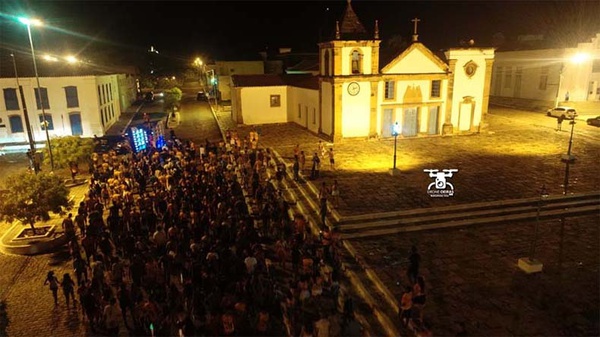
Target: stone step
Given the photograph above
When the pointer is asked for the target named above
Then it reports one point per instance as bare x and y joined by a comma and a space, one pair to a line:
434, 217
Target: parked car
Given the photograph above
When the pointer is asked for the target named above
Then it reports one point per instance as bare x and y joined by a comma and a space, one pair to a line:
594, 121
564, 111
201, 96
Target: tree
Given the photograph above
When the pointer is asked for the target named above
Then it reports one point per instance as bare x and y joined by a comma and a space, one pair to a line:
69, 149
31, 197
172, 98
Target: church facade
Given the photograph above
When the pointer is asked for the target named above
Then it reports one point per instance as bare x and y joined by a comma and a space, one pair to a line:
420, 93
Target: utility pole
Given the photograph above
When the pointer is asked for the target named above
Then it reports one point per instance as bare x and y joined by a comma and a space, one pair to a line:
33, 158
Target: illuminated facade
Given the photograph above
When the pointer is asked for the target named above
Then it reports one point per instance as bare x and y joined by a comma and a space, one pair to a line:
74, 105
426, 94
540, 79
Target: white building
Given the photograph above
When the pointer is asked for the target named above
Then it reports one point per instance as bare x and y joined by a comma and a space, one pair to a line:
73, 105
353, 97
544, 78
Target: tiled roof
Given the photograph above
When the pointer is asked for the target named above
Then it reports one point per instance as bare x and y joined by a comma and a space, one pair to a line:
306, 65
269, 80
350, 27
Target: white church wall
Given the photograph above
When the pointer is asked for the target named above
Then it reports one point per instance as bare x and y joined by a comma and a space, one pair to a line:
326, 106
465, 86
355, 111
416, 62
256, 105
303, 107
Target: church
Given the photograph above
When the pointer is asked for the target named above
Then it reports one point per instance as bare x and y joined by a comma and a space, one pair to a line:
417, 94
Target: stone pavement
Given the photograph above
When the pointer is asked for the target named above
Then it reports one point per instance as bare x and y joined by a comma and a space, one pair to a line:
471, 272
31, 308
510, 161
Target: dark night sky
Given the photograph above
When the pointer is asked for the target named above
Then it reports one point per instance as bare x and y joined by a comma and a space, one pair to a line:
235, 29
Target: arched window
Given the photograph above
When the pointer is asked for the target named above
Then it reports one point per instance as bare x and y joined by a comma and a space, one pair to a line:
356, 62
326, 61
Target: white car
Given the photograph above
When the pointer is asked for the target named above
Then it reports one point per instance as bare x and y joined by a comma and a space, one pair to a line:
564, 111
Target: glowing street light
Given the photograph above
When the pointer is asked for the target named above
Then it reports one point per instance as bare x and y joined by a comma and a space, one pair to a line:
71, 59
578, 58
29, 23
50, 58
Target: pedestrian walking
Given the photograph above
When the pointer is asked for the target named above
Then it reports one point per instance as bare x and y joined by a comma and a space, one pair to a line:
419, 296
331, 159
302, 160
335, 193
111, 317
559, 121
414, 260
321, 148
296, 169
406, 306
297, 150
53, 282
80, 268
323, 194
314, 173
68, 287
69, 226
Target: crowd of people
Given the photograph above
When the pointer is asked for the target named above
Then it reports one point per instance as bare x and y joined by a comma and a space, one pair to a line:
197, 240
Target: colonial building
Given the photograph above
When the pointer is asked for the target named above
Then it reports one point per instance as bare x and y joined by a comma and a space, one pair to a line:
543, 78
425, 94
71, 105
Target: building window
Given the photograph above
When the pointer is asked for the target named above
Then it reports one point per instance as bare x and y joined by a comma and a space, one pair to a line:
326, 63
508, 78
44, 93
110, 98
72, 97
436, 86
101, 113
356, 62
16, 123
48, 121
299, 111
10, 99
275, 101
543, 78
314, 115
389, 89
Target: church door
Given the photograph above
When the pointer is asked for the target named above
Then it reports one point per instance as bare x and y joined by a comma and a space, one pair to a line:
433, 120
386, 130
409, 122
464, 117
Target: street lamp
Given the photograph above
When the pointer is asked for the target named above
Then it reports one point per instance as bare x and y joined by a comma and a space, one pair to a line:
568, 159
28, 23
576, 59
530, 264
32, 158
395, 132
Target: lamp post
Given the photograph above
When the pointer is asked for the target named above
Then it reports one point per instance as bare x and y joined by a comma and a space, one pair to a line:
568, 159
530, 264
395, 132
28, 23
34, 163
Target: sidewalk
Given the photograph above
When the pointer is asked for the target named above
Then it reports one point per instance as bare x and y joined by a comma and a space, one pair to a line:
125, 119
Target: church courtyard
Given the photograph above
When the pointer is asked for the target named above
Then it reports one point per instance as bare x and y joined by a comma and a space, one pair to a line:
471, 272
